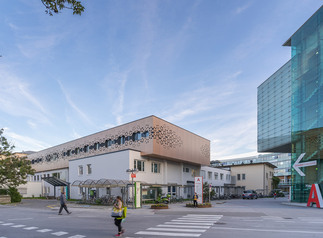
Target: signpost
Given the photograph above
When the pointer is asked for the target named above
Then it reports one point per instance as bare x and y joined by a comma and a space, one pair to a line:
198, 187
298, 165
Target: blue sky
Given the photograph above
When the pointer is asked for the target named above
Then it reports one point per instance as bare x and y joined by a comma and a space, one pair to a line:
196, 64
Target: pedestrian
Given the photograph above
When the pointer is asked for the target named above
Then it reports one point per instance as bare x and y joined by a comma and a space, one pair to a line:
63, 204
195, 197
117, 220
275, 195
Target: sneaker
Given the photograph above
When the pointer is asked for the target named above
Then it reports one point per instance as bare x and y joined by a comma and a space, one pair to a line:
122, 231
59, 213
118, 235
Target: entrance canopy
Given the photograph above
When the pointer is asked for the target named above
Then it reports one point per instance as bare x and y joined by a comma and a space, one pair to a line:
55, 181
101, 183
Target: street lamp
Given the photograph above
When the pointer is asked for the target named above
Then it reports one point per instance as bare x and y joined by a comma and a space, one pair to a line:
133, 175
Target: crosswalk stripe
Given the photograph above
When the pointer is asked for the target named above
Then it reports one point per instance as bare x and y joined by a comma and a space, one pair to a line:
173, 229
204, 227
7, 224
203, 215
76, 236
193, 221
188, 223
167, 234
60, 233
44, 230
18, 226
31, 228
197, 219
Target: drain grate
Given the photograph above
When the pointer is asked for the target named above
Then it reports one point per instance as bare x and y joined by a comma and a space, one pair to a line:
220, 223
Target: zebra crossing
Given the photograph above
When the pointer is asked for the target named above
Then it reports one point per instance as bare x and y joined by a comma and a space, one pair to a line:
40, 230
190, 225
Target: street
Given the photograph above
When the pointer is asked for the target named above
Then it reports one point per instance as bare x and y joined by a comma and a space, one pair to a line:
266, 218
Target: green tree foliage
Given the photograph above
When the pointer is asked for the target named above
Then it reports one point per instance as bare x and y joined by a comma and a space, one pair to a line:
206, 190
55, 6
276, 181
13, 170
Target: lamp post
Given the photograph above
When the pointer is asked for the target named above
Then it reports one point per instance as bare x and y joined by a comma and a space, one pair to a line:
133, 175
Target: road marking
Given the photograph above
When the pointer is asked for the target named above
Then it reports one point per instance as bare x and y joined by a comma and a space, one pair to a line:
173, 229
198, 219
192, 221
202, 215
20, 219
76, 236
188, 223
7, 224
31, 228
204, 227
18, 226
167, 234
262, 230
60, 233
44, 230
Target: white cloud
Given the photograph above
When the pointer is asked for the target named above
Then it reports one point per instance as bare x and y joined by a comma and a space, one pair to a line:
73, 105
24, 143
242, 8
17, 99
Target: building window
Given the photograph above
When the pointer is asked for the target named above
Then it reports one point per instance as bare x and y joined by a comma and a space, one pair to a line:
209, 175
243, 176
155, 167
238, 177
80, 170
216, 176
57, 175
89, 169
186, 170
139, 164
221, 176
86, 149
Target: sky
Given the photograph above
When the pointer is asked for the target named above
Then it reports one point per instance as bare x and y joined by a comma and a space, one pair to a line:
196, 64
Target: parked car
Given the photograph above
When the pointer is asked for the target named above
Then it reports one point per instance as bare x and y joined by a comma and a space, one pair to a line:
249, 194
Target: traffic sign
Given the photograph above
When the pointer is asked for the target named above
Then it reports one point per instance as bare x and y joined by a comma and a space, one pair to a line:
298, 165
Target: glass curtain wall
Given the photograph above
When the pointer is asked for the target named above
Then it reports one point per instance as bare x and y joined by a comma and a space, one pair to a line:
307, 104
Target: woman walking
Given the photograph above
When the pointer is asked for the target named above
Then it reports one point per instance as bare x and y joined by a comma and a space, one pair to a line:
117, 220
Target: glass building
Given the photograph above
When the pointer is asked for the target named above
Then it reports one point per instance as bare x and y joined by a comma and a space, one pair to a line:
274, 117
305, 103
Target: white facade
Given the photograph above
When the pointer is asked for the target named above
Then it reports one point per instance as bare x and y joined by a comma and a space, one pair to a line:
168, 174
216, 177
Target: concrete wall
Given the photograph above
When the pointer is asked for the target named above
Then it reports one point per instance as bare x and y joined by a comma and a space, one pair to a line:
30, 189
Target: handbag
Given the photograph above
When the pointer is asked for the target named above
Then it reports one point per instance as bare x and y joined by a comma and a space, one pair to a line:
117, 212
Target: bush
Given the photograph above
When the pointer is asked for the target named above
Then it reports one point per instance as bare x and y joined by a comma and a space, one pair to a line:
3, 192
14, 194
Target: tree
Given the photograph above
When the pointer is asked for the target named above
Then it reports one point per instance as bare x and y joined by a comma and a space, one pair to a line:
276, 181
54, 6
13, 169
206, 191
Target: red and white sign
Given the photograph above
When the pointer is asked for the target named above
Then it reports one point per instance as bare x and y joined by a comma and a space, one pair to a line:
315, 197
198, 188
133, 175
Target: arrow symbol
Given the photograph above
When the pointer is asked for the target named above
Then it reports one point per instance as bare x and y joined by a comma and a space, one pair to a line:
298, 165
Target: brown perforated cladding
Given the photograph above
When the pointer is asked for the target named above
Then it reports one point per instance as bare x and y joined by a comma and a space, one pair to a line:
151, 135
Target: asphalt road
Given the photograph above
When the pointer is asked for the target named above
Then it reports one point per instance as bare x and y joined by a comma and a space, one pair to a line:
265, 218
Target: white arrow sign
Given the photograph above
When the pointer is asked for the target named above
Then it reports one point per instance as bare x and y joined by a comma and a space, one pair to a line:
298, 165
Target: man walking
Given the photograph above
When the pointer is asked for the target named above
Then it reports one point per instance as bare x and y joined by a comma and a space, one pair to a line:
63, 204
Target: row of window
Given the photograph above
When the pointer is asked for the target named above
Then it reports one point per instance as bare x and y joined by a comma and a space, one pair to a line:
38, 177
216, 176
140, 166
96, 146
